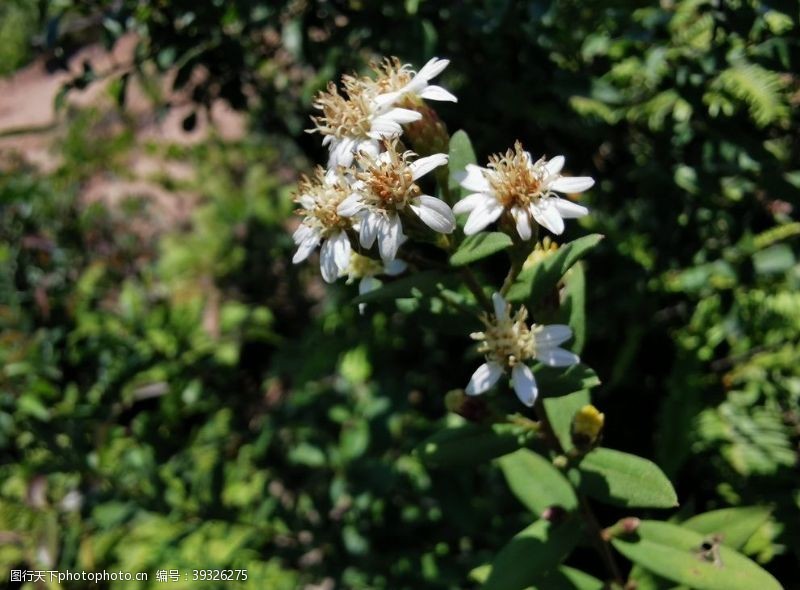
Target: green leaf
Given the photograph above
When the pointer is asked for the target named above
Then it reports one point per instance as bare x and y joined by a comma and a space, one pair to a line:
532, 553
555, 382
480, 246
623, 479
471, 444
561, 411
461, 154
536, 483
542, 277
425, 282
579, 580
678, 554
573, 307
563, 578
735, 525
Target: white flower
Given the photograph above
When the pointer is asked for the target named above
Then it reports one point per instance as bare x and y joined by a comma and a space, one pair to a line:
383, 189
365, 270
320, 198
397, 81
513, 182
356, 124
508, 343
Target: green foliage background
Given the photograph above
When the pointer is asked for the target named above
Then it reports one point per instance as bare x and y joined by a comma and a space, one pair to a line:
280, 440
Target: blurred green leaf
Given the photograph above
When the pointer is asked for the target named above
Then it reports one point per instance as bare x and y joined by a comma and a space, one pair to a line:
532, 553
470, 444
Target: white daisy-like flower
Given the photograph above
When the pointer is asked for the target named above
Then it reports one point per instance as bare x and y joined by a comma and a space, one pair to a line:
509, 343
513, 182
366, 270
356, 124
396, 81
384, 188
319, 198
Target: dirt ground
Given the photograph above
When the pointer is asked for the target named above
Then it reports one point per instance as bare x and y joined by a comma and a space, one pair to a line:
30, 126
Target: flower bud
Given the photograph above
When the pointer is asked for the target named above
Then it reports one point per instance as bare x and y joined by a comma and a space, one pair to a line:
587, 427
429, 134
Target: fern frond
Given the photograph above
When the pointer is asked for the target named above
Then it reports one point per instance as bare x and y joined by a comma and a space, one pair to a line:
760, 89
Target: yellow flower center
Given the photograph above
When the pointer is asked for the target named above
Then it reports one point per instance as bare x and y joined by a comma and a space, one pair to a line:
515, 180
344, 117
327, 197
507, 340
389, 181
363, 266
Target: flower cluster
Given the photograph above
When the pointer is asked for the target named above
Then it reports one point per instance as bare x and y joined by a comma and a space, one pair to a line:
363, 206
370, 184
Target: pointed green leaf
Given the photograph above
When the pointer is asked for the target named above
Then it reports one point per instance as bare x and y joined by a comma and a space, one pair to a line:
470, 444
622, 479
735, 525
536, 281
561, 411
532, 553
563, 578
461, 154
554, 382
480, 246
425, 282
679, 554
536, 483
573, 306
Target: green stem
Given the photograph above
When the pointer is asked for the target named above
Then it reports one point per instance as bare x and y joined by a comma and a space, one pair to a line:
595, 530
474, 286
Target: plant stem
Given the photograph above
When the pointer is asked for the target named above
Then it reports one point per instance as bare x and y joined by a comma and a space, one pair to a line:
596, 531
475, 287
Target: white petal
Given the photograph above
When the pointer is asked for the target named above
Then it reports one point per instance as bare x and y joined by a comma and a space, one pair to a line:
386, 99
341, 152
327, 262
470, 202
547, 216
483, 378
433, 68
369, 148
482, 216
569, 210
383, 128
434, 213
307, 201
552, 335
305, 248
500, 306
473, 179
390, 236
341, 250
368, 230
576, 184
351, 205
401, 116
523, 219
301, 233
422, 166
368, 284
554, 166
557, 357
395, 267
524, 384
437, 93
